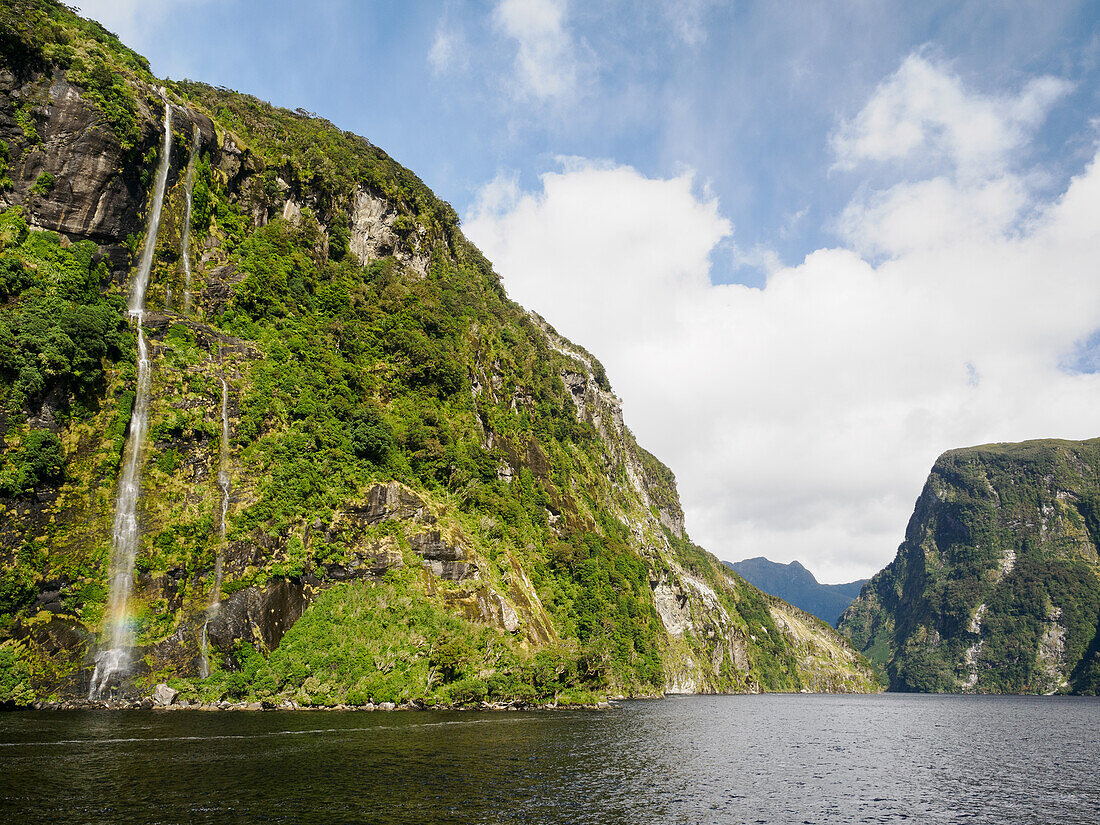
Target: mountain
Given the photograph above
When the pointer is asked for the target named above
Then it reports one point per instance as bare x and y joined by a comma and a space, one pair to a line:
272, 429
996, 588
795, 584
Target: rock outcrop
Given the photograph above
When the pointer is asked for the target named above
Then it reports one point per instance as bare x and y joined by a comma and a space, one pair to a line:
53, 132
163, 696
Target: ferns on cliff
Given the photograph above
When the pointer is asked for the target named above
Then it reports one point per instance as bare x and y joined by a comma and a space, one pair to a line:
56, 326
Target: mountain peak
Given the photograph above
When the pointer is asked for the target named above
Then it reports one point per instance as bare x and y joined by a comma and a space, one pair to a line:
796, 584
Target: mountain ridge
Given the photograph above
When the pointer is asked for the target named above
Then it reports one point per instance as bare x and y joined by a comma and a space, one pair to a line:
794, 583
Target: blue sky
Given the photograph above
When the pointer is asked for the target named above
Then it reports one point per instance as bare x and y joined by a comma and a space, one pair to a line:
816, 244
745, 94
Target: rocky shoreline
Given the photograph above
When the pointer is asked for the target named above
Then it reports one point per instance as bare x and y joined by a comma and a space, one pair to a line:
165, 698
148, 704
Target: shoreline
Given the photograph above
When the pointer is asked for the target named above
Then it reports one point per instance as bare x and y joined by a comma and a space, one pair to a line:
148, 704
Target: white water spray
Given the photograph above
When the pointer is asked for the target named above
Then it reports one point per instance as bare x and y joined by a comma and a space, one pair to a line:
223, 485
223, 478
117, 637
185, 239
141, 282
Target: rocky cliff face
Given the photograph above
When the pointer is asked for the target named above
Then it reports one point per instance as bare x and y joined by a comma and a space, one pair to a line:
996, 587
427, 494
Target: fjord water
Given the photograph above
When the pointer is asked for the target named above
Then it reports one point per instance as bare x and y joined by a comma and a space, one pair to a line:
729, 759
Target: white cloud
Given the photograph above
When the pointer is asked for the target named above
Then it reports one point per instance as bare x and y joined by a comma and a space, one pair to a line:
802, 418
688, 19
928, 213
546, 64
449, 50
924, 113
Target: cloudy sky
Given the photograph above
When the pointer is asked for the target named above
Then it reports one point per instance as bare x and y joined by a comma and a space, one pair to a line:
816, 244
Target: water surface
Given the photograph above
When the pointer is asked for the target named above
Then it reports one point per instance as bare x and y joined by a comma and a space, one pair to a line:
729, 759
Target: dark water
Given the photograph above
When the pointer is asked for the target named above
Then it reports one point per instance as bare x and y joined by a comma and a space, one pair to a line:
735, 759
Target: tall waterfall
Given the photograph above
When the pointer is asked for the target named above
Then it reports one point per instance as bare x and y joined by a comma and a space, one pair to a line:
223, 485
219, 559
116, 637
141, 281
185, 238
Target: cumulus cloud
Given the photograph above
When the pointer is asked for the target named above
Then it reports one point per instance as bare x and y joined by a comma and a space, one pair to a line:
801, 418
546, 65
924, 113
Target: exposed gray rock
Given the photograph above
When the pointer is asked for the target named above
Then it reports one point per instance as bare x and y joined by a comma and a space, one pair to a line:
495, 610
264, 613
96, 193
364, 565
442, 559
374, 234
390, 501
163, 696
672, 606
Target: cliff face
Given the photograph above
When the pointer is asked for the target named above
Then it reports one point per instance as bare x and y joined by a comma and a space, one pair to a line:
369, 475
995, 588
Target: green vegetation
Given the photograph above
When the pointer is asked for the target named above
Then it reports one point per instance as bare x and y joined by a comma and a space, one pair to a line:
310, 154
36, 33
385, 642
5, 159
1009, 530
56, 326
15, 676
38, 459
43, 184
342, 376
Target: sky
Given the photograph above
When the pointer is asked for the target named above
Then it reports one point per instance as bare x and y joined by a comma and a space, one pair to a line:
815, 244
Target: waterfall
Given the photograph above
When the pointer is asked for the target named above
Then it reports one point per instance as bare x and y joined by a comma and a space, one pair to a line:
141, 282
116, 636
223, 479
185, 239
223, 485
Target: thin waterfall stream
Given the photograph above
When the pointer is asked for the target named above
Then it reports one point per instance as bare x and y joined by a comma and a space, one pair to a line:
185, 237
223, 485
116, 636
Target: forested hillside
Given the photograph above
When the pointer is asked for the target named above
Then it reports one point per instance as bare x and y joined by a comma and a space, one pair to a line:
996, 588
367, 474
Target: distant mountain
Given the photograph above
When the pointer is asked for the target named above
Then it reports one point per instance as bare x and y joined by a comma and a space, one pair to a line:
797, 585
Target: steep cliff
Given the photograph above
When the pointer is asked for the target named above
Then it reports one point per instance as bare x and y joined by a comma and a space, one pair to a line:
368, 474
996, 588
